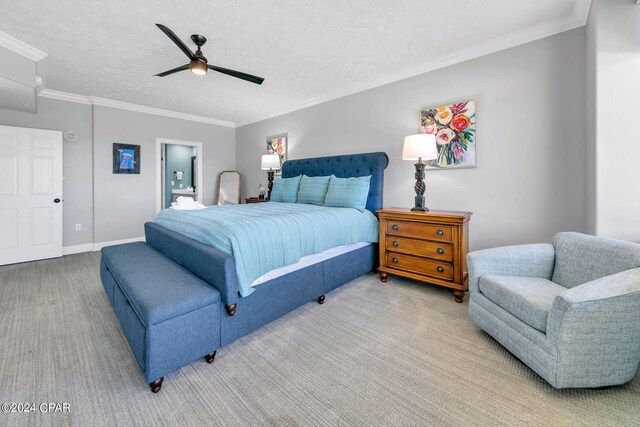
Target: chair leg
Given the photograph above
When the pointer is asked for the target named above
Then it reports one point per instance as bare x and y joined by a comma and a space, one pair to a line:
321, 299
210, 357
156, 385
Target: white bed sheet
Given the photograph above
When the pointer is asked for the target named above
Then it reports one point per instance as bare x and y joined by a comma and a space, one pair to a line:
309, 260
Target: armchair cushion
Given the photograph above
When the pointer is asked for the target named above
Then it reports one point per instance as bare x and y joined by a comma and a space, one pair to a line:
528, 298
581, 258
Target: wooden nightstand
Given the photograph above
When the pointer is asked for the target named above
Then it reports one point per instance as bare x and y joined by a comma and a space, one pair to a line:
255, 200
427, 246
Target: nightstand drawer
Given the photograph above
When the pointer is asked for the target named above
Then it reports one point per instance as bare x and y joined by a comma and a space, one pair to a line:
443, 251
441, 233
441, 270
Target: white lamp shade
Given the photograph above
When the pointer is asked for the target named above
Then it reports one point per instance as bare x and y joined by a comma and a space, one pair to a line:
271, 161
422, 145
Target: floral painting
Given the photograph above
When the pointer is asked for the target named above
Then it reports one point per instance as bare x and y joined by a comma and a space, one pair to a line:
277, 144
454, 126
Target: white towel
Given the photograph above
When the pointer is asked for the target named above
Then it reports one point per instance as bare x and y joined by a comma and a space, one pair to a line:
187, 207
185, 201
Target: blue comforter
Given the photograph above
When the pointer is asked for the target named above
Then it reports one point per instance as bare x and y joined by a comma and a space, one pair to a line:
266, 236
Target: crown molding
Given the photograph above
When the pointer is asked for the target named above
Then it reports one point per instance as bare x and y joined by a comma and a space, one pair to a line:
21, 48
581, 9
64, 96
577, 19
103, 102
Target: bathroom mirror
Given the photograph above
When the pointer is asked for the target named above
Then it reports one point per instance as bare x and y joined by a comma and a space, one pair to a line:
229, 188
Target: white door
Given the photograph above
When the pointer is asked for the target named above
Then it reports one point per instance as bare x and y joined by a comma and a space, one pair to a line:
30, 194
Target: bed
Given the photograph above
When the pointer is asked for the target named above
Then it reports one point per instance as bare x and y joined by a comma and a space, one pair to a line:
178, 299
279, 295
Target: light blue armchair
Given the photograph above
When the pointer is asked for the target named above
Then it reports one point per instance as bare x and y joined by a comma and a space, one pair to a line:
570, 310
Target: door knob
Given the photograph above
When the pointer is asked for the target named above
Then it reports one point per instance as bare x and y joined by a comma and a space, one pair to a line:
56, 200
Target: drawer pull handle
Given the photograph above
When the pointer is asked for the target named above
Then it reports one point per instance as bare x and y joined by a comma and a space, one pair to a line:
395, 244
395, 227
395, 260
440, 233
440, 269
440, 251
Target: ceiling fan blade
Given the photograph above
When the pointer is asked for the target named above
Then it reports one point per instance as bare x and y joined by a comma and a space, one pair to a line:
183, 47
175, 70
244, 76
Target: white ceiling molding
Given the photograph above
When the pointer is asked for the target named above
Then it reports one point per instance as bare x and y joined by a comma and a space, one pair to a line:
64, 96
21, 48
103, 102
546, 29
581, 10
158, 111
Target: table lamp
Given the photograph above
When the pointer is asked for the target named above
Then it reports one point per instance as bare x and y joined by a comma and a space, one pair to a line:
419, 147
270, 163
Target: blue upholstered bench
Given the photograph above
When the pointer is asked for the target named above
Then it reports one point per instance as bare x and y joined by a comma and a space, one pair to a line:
169, 316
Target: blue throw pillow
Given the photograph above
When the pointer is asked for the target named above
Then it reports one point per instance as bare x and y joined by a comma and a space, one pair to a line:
313, 189
348, 192
285, 190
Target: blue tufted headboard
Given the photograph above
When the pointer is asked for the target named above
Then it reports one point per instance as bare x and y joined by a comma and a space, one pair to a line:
344, 167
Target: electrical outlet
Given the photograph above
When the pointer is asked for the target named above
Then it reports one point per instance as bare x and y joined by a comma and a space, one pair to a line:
180, 185
173, 183
78, 227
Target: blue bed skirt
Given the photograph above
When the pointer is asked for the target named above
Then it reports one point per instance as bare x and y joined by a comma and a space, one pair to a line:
271, 299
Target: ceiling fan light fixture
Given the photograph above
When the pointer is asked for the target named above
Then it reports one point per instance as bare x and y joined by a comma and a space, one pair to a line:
198, 67
198, 63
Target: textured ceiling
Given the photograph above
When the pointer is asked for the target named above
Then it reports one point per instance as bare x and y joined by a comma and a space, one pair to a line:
304, 49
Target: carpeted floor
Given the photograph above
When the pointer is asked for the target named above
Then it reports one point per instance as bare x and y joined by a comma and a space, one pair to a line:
374, 354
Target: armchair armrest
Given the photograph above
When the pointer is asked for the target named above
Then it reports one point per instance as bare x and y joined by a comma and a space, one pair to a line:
615, 295
594, 331
535, 260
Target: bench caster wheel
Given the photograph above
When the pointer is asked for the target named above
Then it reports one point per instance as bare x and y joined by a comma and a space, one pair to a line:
231, 309
156, 385
210, 357
321, 299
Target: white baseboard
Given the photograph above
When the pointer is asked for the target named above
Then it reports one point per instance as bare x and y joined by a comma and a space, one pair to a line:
100, 245
89, 247
70, 250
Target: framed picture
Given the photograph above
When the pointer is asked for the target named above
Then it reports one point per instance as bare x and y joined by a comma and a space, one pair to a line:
277, 144
454, 126
126, 158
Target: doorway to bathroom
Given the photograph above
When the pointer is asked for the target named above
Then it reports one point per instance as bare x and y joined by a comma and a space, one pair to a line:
178, 171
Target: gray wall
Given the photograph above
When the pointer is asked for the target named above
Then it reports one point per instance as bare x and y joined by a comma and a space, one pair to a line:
531, 152
123, 203
77, 160
17, 68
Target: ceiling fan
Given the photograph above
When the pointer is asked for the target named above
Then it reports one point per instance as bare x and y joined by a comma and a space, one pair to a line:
199, 64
